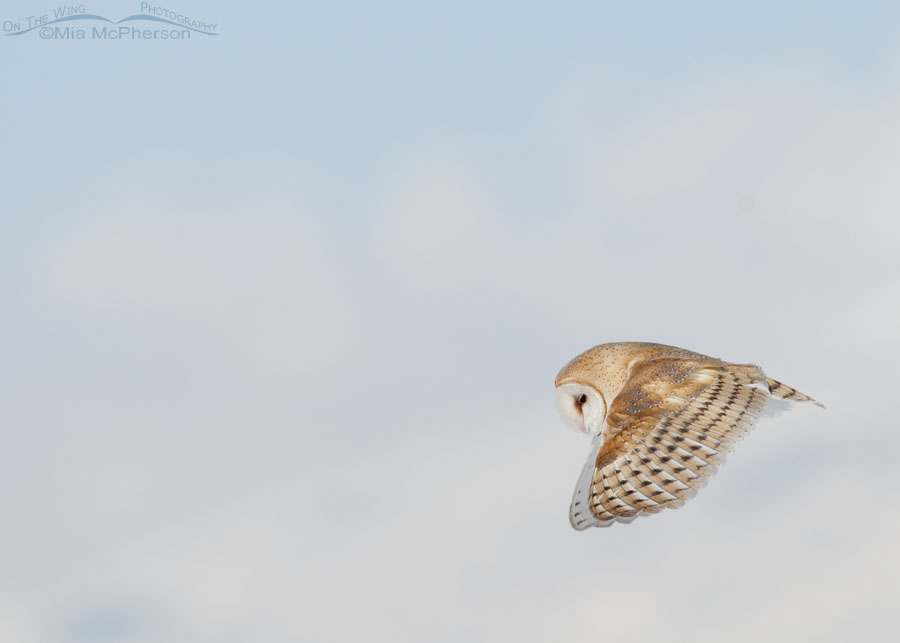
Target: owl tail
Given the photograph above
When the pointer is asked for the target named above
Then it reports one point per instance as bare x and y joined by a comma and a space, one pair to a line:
785, 392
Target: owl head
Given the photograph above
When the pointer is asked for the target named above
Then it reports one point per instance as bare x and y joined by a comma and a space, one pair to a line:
589, 383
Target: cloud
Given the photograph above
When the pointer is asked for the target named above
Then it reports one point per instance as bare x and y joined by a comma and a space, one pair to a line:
436, 223
473, 540
247, 266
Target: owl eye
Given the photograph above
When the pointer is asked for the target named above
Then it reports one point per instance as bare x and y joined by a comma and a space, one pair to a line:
582, 400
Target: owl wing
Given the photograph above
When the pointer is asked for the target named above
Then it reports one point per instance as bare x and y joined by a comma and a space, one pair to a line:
672, 424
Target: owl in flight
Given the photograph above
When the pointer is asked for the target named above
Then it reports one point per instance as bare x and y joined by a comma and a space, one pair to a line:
663, 418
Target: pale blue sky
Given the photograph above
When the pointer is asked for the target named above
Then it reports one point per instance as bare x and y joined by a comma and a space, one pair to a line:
283, 308
347, 87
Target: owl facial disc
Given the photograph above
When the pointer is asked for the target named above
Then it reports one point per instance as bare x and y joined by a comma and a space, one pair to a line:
582, 407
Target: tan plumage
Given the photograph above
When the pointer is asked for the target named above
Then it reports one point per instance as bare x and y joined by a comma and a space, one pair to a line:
663, 419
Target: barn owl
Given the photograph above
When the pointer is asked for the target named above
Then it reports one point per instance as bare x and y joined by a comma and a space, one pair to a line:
662, 419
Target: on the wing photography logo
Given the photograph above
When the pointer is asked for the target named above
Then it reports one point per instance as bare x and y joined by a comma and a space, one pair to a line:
75, 22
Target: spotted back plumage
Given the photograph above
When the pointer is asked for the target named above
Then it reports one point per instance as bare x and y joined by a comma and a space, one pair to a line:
671, 423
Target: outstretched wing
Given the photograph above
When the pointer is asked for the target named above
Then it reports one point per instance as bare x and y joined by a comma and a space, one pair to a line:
673, 423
